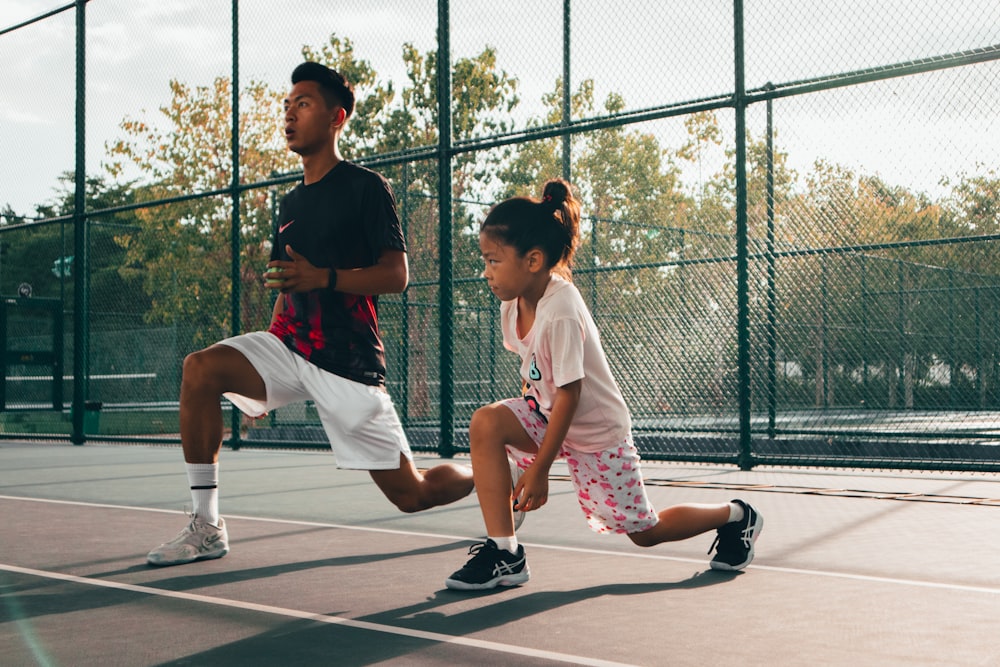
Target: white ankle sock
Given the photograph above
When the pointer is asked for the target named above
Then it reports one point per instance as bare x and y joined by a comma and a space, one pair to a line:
204, 479
506, 543
735, 512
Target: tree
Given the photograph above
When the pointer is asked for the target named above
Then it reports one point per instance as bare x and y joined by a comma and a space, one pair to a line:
184, 248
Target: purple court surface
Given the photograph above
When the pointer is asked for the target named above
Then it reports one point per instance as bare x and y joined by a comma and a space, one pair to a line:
852, 568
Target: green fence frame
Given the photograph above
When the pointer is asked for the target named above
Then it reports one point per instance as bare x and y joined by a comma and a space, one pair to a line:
748, 434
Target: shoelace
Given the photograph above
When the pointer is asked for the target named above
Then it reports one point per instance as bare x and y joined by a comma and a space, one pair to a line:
714, 543
478, 551
744, 535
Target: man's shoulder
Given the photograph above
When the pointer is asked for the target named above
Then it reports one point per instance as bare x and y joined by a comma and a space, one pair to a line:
353, 170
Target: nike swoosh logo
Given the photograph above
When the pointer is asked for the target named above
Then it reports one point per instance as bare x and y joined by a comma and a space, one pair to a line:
285, 226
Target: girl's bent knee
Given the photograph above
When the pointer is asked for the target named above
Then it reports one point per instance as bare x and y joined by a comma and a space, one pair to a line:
481, 421
485, 428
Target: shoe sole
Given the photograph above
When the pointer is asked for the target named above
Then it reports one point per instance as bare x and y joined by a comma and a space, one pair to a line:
515, 471
504, 580
208, 556
758, 526
518, 517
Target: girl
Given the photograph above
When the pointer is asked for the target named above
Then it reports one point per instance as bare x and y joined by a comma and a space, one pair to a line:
570, 407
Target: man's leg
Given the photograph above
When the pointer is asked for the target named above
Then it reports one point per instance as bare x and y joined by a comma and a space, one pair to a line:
206, 376
411, 491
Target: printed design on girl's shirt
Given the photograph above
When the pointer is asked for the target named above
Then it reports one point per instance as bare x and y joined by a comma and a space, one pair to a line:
533, 372
534, 405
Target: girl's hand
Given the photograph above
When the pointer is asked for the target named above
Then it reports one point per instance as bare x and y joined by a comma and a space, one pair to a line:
532, 490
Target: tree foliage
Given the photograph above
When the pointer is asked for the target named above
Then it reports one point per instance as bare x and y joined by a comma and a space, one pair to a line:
862, 288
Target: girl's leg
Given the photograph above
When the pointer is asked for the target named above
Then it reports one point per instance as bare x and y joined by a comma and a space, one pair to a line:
680, 522
493, 427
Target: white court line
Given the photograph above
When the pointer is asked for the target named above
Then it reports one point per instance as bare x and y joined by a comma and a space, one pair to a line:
553, 547
319, 618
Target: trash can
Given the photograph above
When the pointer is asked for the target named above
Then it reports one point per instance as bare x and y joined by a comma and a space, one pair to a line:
92, 417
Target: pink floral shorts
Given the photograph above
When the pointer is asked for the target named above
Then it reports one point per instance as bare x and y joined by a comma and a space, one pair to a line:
608, 483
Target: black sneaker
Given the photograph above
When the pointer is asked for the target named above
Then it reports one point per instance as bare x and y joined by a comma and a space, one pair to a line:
490, 567
735, 540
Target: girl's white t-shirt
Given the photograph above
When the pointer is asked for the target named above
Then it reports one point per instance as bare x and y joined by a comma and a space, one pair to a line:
563, 346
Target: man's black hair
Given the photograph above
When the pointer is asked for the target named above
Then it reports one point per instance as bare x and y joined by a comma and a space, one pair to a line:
336, 90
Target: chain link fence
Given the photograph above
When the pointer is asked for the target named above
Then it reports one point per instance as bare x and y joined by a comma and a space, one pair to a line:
790, 211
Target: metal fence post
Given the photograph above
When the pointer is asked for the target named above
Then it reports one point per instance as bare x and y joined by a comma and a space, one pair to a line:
772, 300
446, 279
81, 241
742, 250
566, 97
404, 305
235, 272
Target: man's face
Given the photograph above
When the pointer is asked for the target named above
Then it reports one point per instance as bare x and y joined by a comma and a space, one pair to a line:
309, 122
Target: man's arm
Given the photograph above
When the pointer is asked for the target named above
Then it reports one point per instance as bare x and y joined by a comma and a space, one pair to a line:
279, 308
390, 275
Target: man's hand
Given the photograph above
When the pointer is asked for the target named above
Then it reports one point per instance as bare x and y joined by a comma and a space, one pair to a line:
297, 275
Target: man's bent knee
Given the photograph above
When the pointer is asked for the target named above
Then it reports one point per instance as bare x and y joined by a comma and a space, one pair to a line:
407, 501
643, 539
410, 504
197, 366
219, 369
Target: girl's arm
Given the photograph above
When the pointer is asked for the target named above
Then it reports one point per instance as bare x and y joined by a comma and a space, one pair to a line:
532, 490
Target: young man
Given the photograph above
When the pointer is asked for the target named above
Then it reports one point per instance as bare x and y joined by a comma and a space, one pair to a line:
338, 245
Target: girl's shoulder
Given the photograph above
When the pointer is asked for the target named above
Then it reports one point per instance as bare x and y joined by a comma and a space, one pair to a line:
562, 296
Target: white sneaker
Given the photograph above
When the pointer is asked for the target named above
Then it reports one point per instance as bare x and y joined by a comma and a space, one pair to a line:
200, 540
515, 474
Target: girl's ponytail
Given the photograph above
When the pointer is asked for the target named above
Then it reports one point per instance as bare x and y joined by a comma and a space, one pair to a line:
557, 194
551, 223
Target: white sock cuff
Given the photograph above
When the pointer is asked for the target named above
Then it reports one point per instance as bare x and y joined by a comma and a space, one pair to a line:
736, 512
203, 475
506, 543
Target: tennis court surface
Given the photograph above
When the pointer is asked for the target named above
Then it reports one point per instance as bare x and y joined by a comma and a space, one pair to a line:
852, 568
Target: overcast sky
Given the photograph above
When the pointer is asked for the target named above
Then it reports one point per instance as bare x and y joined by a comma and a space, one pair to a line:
912, 131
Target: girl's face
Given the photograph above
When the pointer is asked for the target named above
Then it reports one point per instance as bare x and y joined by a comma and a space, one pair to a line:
508, 274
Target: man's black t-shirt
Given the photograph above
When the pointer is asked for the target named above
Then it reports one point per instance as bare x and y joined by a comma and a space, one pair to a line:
344, 221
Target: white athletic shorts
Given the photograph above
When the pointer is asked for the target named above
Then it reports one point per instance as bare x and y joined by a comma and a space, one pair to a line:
360, 421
